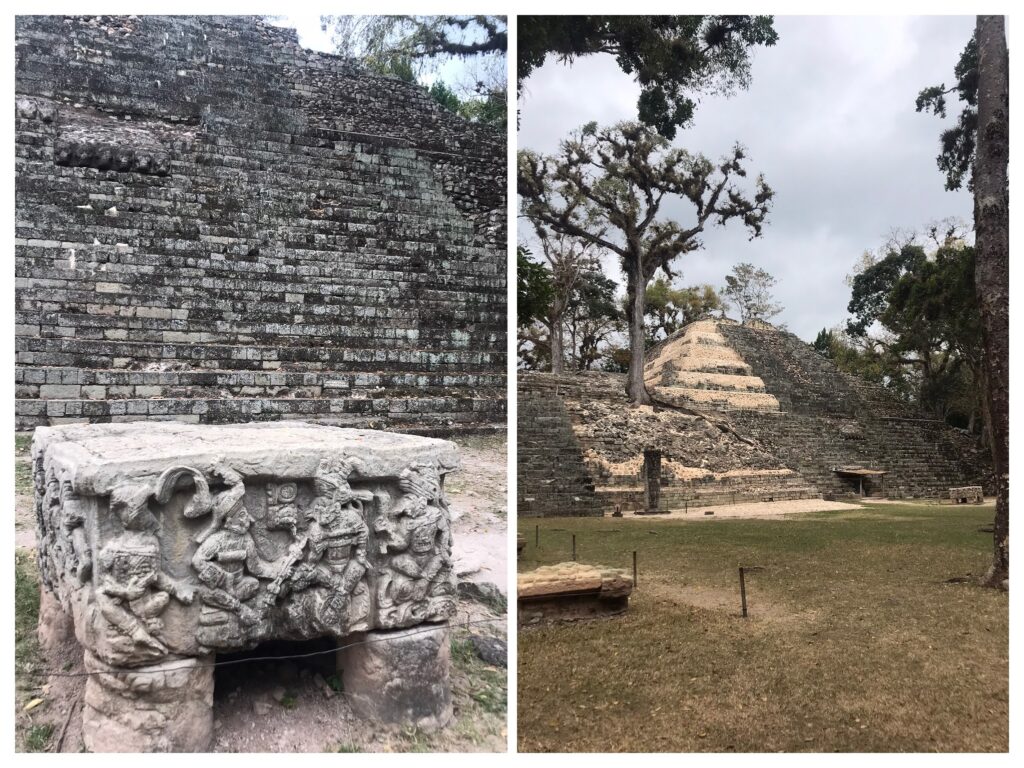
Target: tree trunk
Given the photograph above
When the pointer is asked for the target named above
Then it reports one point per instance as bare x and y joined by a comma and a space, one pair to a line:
991, 271
557, 344
636, 288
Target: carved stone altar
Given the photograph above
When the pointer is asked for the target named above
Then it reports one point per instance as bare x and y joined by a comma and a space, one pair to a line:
168, 543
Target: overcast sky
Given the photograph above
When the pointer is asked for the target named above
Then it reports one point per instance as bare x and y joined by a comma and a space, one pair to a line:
829, 119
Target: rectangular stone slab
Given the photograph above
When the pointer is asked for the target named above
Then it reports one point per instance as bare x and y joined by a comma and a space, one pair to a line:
168, 539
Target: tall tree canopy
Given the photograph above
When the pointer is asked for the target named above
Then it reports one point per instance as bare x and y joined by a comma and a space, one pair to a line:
606, 186
568, 258
533, 288
590, 317
956, 155
383, 37
669, 308
672, 58
749, 290
409, 46
916, 311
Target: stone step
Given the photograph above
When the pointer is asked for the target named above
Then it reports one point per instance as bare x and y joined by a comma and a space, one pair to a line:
97, 383
34, 412
717, 399
710, 381
88, 353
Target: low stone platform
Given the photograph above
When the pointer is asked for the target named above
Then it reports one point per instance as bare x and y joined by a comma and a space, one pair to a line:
168, 543
967, 493
570, 591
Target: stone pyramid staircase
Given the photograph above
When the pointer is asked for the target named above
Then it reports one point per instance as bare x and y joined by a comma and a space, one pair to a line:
322, 247
696, 368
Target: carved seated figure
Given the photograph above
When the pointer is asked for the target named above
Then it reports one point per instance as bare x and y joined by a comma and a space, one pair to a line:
229, 567
333, 597
131, 595
417, 583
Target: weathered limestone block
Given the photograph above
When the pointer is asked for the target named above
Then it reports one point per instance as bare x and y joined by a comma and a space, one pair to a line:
400, 676
56, 627
166, 707
168, 542
568, 591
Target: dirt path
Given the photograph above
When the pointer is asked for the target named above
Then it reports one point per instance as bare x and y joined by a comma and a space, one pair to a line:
751, 509
477, 494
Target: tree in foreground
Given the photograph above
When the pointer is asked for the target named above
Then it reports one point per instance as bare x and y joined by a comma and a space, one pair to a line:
978, 148
749, 290
606, 186
992, 264
670, 57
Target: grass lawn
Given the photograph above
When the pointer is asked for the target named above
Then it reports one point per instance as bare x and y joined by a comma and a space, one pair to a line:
856, 641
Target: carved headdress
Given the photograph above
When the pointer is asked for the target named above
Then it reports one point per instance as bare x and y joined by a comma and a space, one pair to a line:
332, 479
421, 479
130, 502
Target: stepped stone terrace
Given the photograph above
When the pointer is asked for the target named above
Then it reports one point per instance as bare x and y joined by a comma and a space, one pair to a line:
214, 224
742, 413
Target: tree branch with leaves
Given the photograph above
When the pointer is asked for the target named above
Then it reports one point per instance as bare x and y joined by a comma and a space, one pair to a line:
606, 186
670, 57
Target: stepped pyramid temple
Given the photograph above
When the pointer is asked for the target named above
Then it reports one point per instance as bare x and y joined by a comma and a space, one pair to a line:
216, 225
742, 413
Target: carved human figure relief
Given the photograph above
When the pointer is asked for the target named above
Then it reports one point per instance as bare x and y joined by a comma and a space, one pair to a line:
73, 518
416, 580
229, 567
131, 590
329, 582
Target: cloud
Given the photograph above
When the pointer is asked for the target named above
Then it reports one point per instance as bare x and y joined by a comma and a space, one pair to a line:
829, 119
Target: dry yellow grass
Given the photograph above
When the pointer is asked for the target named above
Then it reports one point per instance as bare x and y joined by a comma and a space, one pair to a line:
856, 641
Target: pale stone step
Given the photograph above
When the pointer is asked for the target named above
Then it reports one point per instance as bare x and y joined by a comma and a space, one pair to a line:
742, 401
716, 381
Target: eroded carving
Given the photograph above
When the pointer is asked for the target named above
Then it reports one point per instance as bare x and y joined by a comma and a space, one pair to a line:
416, 582
332, 596
131, 595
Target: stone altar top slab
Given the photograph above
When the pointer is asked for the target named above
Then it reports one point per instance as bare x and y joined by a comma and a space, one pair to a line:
102, 456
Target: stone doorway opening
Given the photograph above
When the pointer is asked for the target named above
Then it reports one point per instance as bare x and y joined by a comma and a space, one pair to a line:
863, 482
